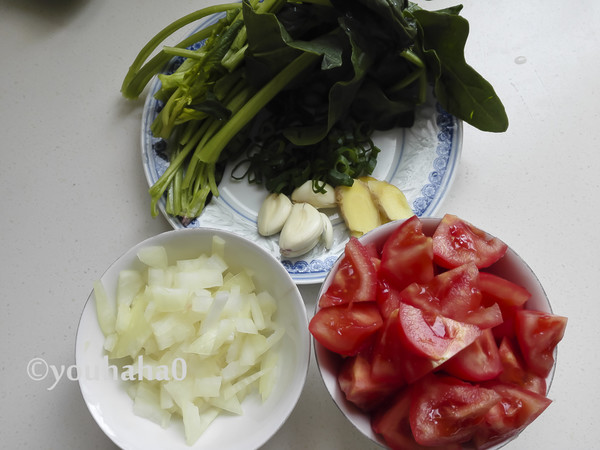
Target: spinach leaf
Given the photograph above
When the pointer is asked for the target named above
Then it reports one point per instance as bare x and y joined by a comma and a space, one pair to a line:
459, 88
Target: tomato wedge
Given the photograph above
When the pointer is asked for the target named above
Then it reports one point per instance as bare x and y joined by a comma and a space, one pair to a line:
355, 279
480, 361
344, 329
407, 255
515, 372
446, 410
432, 335
453, 293
538, 334
357, 384
388, 298
516, 409
393, 424
499, 290
387, 353
457, 242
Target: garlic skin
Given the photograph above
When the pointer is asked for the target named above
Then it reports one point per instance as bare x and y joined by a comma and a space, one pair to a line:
273, 214
327, 235
301, 231
305, 194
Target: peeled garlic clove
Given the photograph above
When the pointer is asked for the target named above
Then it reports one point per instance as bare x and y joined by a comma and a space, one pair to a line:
273, 213
305, 194
327, 231
301, 231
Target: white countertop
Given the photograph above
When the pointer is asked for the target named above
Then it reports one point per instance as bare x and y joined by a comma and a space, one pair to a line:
74, 197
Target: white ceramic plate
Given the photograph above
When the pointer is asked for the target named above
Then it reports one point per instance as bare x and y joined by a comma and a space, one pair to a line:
420, 160
105, 393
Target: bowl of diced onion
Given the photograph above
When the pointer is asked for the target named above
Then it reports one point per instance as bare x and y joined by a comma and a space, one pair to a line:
188, 336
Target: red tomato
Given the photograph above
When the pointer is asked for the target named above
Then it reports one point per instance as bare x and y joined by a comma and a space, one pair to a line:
434, 336
446, 410
407, 255
345, 329
393, 424
485, 318
499, 290
359, 387
387, 353
355, 279
453, 294
538, 334
514, 371
480, 361
388, 298
457, 242
516, 409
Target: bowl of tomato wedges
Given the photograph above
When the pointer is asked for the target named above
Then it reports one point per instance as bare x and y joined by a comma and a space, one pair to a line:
431, 332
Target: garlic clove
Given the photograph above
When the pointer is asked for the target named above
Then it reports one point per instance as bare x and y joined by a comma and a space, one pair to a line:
305, 194
301, 231
327, 235
273, 213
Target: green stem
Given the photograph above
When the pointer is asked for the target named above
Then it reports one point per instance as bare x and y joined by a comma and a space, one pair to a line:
210, 153
147, 50
140, 79
183, 52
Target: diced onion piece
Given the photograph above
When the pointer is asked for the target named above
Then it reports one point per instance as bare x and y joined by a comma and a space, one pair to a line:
218, 246
268, 380
198, 279
214, 312
129, 284
243, 383
231, 405
154, 256
207, 386
168, 299
147, 404
159, 277
105, 310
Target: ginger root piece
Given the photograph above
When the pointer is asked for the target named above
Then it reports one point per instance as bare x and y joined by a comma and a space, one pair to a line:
389, 199
357, 208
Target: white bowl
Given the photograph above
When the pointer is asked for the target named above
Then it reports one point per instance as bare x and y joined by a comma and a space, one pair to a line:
108, 401
511, 267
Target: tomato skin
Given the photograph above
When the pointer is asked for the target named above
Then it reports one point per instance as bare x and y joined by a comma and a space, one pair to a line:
456, 242
499, 290
407, 255
515, 410
514, 370
358, 386
345, 329
432, 335
446, 410
480, 361
355, 279
453, 293
538, 334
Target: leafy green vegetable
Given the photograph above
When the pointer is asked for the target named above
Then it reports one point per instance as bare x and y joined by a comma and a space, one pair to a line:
294, 89
457, 86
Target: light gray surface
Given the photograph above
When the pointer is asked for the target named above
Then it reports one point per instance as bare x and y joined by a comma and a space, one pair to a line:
74, 198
